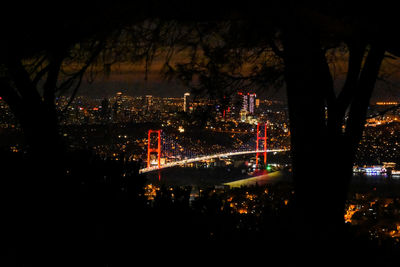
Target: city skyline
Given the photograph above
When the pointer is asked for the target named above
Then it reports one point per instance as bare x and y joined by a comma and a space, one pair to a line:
135, 80
136, 85
133, 129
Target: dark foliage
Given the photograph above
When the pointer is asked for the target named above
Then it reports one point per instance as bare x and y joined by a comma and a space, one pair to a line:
105, 219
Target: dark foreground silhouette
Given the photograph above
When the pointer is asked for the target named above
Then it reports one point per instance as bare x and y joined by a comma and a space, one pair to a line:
100, 216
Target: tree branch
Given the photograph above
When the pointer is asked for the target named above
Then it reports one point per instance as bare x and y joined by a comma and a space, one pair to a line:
50, 85
347, 94
358, 109
22, 80
79, 75
384, 111
11, 97
39, 75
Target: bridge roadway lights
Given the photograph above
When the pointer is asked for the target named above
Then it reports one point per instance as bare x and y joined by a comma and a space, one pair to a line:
158, 150
182, 162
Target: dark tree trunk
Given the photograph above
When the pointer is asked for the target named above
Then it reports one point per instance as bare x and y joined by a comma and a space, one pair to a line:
322, 152
322, 159
46, 197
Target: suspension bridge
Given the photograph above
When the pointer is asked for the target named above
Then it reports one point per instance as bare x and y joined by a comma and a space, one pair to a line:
222, 155
155, 148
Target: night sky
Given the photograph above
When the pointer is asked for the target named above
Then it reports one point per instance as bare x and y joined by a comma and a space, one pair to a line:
133, 83
130, 79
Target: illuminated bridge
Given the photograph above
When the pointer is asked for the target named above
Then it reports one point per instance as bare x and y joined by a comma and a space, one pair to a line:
154, 146
201, 158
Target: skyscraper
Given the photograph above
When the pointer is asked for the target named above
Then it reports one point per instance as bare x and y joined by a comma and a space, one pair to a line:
243, 115
186, 102
252, 98
249, 101
105, 111
149, 101
245, 105
117, 106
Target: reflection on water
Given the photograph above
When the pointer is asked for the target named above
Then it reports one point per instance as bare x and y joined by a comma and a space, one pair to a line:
375, 177
234, 177
286, 176
262, 179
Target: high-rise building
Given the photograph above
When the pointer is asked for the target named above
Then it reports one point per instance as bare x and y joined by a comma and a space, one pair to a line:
105, 111
249, 102
117, 106
186, 102
252, 98
245, 105
149, 101
243, 115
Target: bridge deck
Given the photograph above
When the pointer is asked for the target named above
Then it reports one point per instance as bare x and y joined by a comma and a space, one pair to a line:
185, 161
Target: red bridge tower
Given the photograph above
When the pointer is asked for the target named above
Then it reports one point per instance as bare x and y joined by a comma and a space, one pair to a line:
261, 138
152, 150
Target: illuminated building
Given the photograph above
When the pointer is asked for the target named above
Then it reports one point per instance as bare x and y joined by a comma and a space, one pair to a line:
387, 103
249, 102
396, 173
105, 112
117, 105
186, 102
118, 99
387, 165
252, 98
370, 170
149, 101
245, 105
243, 114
